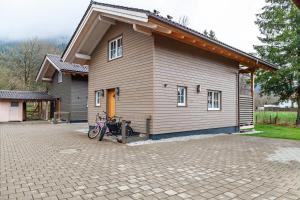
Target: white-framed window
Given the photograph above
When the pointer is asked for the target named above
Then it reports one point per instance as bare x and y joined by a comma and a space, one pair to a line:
181, 95
14, 104
115, 48
97, 98
59, 77
214, 100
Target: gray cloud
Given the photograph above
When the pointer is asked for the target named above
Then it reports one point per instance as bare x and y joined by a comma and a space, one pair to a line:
232, 20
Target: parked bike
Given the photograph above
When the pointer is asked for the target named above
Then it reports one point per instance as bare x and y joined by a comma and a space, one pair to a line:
93, 133
113, 127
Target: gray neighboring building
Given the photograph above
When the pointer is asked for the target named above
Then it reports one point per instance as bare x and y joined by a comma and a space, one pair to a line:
68, 84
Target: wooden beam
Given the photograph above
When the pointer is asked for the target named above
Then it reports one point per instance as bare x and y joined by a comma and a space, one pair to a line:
107, 20
130, 21
142, 29
47, 79
82, 56
163, 29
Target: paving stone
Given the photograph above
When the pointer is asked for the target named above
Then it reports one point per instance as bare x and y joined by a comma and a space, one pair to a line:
221, 167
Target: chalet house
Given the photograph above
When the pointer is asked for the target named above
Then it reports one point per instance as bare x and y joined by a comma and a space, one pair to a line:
68, 85
168, 79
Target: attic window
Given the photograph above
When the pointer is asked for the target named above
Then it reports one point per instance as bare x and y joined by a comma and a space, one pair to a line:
115, 48
59, 77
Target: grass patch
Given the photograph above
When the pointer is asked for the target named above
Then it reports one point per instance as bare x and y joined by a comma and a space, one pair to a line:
280, 118
272, 131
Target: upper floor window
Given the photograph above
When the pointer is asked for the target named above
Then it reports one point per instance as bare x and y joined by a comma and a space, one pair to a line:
115, 48
181, 96
214, 100
59, 77
97, 98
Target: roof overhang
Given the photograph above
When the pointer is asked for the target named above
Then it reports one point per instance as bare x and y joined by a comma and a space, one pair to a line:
203, 42
99, 17
96, 21
48, 68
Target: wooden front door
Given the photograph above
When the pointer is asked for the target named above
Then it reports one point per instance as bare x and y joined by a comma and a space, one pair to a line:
111, 103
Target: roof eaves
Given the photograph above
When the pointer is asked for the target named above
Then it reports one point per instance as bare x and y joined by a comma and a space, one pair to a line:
101, 4
196, 33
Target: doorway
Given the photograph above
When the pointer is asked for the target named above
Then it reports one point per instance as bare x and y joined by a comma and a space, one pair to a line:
15, 111
111, 103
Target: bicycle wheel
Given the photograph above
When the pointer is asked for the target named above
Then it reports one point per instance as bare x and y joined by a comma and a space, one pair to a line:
129, 131
102, 133
93, 132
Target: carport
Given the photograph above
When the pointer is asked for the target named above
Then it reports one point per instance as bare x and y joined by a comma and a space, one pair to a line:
13, 105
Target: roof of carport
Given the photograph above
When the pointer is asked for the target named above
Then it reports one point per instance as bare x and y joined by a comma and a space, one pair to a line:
24, 95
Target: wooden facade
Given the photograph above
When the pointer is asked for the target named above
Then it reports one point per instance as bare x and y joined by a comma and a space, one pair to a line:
71, 96
158, 56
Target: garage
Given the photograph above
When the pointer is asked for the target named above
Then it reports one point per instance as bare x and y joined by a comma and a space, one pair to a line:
14, 105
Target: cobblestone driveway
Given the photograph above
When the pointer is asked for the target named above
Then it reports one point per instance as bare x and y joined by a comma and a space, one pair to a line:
56, 162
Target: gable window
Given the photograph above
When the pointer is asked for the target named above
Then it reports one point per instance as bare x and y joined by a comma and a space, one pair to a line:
181, 96
97, 98
115, 48
214, 100
59, 77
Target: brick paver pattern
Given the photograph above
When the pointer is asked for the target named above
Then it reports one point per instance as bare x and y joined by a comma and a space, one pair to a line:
45, 161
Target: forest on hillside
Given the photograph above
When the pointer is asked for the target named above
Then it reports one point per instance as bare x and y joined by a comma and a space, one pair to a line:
21, 60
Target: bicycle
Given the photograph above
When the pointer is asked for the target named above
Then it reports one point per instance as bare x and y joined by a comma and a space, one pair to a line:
114, 127
93, 133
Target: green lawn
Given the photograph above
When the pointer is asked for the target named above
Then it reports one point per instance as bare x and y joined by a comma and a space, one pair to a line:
272, 131
280, 118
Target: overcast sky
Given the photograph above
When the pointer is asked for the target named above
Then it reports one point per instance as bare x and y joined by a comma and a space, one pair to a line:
232, 20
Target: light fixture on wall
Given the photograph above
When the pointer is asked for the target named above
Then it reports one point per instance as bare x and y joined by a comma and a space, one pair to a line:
102, 93
117, 90
198, 89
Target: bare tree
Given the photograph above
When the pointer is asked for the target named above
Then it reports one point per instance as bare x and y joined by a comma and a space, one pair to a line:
22, 62
261, 100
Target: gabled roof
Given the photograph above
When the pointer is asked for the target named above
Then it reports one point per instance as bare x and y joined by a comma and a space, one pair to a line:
57, 64
24, 95
65, 66
104, 15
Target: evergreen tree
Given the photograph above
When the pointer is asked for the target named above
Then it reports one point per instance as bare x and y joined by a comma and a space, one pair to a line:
279, 25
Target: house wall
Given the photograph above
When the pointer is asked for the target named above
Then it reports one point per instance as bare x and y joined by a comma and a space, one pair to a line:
4, 111
73, 95
7, 113
177, 64
62, 91
133, 74
79, 92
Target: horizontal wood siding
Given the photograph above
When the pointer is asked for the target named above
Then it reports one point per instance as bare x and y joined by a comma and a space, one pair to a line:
62, 91
79, 99
133, 74
177, 64
246, 110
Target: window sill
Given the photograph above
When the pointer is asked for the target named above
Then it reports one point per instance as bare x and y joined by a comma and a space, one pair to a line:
111, 59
